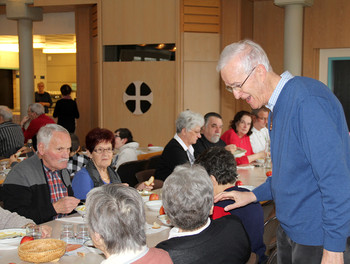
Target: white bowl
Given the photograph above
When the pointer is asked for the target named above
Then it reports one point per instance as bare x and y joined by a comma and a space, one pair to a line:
164, 219
154, 205
81, 210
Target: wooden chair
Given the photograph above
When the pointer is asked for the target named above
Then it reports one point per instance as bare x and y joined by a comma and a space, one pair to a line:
270, 230
127, 171
144, 175
273, 257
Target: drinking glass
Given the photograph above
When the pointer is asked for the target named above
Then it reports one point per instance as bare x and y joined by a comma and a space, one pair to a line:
82, 234
33, 231
67, 233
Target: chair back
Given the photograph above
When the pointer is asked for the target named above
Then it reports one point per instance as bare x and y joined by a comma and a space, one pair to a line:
273, 257
153, 162
254, 259
144, 175
127, 171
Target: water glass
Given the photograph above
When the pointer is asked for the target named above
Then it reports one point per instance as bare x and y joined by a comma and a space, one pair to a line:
33, 231
82, 234
67, 233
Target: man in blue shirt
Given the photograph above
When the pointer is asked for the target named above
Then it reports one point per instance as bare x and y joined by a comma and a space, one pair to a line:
310, 150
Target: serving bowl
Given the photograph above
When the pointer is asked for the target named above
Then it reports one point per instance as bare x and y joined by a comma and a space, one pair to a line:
164, 219
154, 205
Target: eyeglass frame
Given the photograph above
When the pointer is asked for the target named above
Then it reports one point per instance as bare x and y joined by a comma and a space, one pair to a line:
238, 87
103, 150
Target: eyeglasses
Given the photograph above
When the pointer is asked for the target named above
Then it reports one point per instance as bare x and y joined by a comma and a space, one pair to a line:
238, 87
102, 150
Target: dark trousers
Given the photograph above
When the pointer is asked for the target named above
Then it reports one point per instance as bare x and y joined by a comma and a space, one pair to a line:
289, 252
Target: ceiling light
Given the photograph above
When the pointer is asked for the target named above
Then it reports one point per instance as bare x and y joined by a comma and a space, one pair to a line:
59, 51
9, 47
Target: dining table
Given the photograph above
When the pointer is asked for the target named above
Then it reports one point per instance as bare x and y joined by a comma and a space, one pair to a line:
251, 175
91, 255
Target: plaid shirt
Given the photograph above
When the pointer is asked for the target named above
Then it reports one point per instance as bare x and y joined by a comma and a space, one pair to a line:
76, 163
57, 188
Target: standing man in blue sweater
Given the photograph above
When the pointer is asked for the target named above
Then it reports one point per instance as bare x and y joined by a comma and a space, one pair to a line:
310, 150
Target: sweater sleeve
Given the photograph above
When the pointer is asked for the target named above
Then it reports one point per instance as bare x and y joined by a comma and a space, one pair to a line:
12, 220
323, 144
82, 184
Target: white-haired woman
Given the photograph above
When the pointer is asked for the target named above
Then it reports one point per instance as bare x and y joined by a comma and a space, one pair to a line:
116, 221
179, 150
188, 200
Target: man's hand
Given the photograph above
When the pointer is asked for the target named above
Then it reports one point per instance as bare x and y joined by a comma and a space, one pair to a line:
46, 231
65, 205
24, 120
330, 257
232, 148
240, 198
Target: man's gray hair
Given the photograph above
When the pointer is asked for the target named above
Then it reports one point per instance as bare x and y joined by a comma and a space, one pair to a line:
6, 113
45, 133
251, 54
188, 196
116, 213
37, 108
188, 120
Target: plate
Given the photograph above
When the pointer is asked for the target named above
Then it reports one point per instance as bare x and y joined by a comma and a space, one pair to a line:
81, 209
154, 205
90, 245
145, 193
164, 219
239, 152
11, 236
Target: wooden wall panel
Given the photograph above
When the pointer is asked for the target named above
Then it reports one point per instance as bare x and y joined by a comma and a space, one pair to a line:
157, 125
201, 81
326, 26
138, 21
269, 31
201, 16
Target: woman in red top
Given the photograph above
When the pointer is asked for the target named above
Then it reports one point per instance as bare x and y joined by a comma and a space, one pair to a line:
238, 134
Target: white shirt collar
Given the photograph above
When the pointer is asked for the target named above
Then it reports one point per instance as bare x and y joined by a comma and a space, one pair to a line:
174, 232
126, 257
285, 77
183, 145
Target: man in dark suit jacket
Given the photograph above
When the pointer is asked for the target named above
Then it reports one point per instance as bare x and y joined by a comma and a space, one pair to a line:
179, 150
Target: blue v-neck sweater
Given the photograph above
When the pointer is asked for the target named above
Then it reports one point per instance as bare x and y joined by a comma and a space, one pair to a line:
311, 165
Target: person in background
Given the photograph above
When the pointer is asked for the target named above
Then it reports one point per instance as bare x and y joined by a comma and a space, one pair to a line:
13, 220
11, 135
238, 134
126, 145
100, 143
310, 150
36, 114
210, 135
98, 171
260, 134
42, 97
188, 201
39, 187
116, 220
221, 167
76, 161
66, 109
179, 149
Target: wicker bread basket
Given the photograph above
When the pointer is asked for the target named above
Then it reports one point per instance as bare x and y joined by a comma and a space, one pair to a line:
42, 250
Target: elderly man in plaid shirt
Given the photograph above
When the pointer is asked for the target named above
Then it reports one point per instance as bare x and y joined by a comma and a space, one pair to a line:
39, 187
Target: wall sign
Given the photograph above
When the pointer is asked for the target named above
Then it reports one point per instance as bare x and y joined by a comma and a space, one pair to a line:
138, 97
